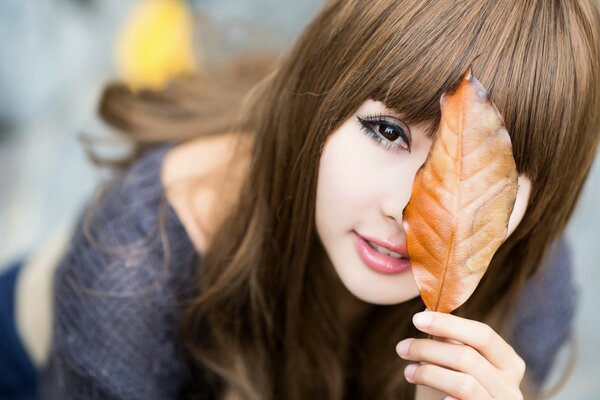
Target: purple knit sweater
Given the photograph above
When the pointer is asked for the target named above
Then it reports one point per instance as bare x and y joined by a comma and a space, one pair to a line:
116, 310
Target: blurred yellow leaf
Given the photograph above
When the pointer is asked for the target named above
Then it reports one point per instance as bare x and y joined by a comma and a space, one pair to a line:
156, 44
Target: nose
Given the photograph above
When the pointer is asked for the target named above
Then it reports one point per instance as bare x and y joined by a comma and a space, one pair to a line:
397, 193
399, 190
397, 196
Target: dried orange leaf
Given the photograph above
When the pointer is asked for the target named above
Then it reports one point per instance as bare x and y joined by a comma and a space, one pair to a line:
462, 198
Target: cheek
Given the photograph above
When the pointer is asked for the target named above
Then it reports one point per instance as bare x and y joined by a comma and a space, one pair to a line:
336, 194
343, 185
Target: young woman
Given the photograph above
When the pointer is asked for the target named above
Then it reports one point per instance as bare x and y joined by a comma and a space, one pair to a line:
223, 263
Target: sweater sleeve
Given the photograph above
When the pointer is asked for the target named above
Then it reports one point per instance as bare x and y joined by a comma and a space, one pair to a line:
118, 299
545, 313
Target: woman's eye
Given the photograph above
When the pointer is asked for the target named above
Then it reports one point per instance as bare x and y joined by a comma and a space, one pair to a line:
393, 136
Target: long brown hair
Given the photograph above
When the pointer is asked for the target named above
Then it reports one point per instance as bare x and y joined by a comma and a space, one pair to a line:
264, 322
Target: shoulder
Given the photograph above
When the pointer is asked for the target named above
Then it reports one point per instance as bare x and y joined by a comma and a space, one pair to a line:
129, 224
545, 314
193, 174
132, 212
552, 289
118, 293
197, 157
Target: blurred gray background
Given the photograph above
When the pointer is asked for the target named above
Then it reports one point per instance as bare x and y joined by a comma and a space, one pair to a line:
55, 56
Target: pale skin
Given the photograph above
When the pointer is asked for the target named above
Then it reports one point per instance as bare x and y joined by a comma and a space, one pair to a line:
467, 360
473, 362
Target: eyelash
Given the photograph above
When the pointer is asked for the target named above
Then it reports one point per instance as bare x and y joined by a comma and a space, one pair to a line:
370, 121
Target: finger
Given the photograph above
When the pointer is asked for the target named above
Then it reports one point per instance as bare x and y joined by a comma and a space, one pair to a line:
457, 384
472, 333
443, 339
458, 357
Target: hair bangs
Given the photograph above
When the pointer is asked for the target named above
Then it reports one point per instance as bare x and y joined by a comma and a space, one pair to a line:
413, 52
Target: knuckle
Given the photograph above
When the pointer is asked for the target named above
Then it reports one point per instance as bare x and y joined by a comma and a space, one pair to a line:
468, 358
517, 395
418, 349
487, 336
520, 367
414, 350
424, 373
467, 387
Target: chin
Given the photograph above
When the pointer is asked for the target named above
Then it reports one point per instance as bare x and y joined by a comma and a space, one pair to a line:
389, 293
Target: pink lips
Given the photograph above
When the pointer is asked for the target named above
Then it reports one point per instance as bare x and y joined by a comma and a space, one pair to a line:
380, 262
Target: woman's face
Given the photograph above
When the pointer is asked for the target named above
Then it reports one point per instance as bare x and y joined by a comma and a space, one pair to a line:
366, 174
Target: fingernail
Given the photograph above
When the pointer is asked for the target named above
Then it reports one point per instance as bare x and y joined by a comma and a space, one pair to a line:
409, 372
403, 347
422, 319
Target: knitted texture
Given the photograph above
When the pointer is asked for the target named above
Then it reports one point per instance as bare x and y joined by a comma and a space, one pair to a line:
118, 301
545, 314
118, 297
